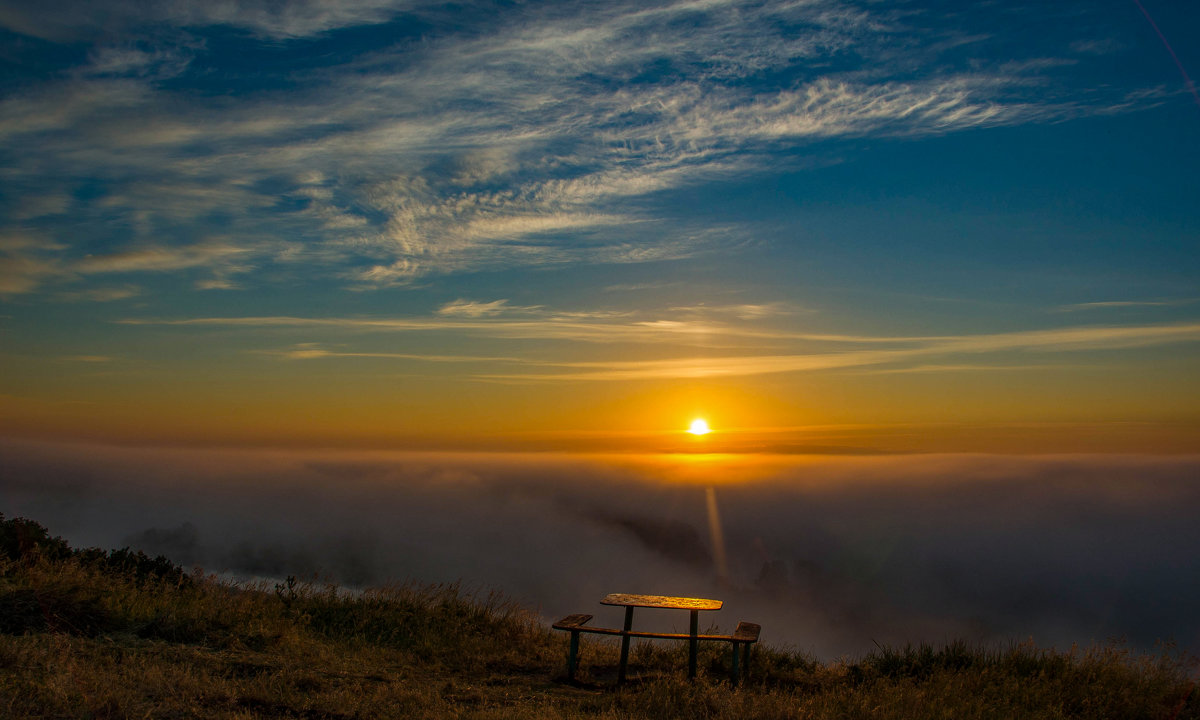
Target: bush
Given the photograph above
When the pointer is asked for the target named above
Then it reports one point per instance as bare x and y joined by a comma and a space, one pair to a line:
23, 540
138, 565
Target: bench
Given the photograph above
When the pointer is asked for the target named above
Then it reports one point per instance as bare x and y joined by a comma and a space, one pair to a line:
746, 634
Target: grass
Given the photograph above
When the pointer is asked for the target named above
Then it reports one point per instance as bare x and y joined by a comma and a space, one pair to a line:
83, 636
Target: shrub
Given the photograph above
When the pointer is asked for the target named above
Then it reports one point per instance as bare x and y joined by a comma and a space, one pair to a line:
23, 540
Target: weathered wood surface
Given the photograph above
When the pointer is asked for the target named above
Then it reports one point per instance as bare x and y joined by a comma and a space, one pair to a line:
746, 632
572, 622
651, 635
661, 601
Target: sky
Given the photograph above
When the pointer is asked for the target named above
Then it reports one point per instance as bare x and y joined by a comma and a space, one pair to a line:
824, 226
372, 291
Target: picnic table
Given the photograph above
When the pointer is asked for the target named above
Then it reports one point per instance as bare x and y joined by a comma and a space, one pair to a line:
745, 634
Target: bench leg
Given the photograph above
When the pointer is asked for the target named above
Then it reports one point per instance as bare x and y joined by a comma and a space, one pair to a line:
625, 644
694, 645
733, 673
572, 655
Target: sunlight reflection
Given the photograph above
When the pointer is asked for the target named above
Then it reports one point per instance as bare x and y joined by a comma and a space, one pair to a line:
711, 468
716, 535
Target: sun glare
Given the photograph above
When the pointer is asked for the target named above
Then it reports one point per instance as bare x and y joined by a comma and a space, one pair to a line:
699, 427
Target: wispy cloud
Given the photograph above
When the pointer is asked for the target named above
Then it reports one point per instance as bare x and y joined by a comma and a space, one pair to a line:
1063, 340
314, 351
823, 351
507, 136
22, 273
744, 311
566, 327
1116, 304
26, 261
639, 287
475, 308
102, 294
967, 368
222, 259
601, 326
159, 258
76, 19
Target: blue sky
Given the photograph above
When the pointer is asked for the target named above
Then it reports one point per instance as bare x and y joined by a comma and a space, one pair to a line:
511, 200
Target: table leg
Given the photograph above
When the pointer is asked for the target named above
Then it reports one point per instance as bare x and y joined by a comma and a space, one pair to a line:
573, 655
694, 643
625, 644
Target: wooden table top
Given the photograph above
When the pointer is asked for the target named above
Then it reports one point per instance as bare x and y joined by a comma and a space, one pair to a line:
661, 601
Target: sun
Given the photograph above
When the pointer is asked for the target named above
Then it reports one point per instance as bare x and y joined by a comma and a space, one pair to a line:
699, 426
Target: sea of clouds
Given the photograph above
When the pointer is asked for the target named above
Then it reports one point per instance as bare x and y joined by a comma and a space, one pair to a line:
830, 554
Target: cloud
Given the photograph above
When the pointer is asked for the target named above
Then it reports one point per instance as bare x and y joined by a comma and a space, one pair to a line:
522, 135
41, 206
310, 351
1075, 338
59, 106
596, 324
638, 287
142, 59
963, 368
219, 255
1096, 46
826, 351
26, 261
744, 311
22, 273
535, 323
29, 262
63, 20
829, 108
705, 367
1116, 304
830, 555
473, 308
102, 294
1059, 340
217, 283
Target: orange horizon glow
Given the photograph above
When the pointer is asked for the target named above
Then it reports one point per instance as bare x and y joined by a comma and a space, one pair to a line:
309, 430
297, 405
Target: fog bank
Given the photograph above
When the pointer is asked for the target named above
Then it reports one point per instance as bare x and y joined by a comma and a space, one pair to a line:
830, 555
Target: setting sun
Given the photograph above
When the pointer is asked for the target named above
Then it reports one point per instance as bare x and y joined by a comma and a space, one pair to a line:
699, 427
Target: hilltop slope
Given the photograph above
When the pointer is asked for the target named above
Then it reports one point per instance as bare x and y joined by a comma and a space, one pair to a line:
93, 634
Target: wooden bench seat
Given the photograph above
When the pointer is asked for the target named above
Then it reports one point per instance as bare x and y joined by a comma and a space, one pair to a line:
745, 634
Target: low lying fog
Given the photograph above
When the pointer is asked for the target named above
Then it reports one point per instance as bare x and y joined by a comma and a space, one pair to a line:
830, 555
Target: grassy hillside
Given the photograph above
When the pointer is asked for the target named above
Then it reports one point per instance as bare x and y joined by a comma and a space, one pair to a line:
91, 634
